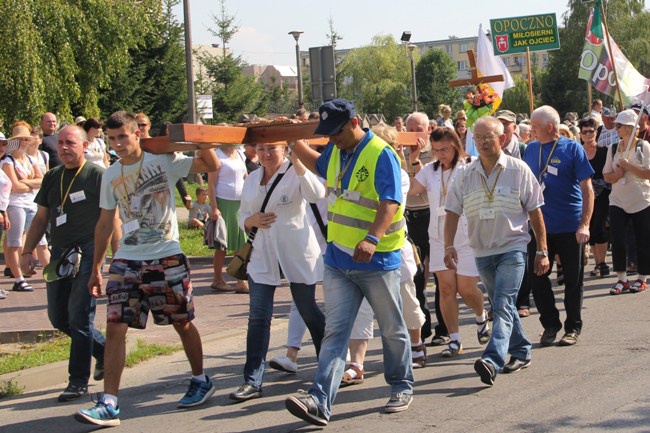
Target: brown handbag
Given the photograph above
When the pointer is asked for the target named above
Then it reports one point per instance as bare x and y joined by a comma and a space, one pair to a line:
239, 263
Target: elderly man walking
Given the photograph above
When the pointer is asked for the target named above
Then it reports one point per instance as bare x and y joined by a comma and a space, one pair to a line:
69, 201
366, 230
498, 194
562, 168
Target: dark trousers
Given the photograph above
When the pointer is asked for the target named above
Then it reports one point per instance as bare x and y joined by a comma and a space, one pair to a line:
417, 223
619, 221
570, 252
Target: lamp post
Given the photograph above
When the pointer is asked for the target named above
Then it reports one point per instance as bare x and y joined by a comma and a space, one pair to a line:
191, 97
296, 35
411, 47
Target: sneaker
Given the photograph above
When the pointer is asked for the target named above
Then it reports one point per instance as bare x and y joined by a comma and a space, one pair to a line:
483, 332
454, 349
548, 337
283, 363
515, 364
620, 287
98, 374
439, 340
398, 402
8, 272
101, 414
569, 339
3, 294
22, 286
197, 393
73, 392
486, 371
420, 361
304, 407
638, 286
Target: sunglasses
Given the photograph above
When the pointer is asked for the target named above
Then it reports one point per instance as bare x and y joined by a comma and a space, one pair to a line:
588, 131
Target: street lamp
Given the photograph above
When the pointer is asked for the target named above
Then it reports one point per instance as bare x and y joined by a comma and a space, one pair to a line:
411, 47
296, 35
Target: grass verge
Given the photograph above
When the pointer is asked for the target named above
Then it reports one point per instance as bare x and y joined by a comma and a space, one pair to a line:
144, 351
37, 354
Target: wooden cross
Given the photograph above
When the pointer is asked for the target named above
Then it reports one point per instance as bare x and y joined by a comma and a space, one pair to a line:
475, 80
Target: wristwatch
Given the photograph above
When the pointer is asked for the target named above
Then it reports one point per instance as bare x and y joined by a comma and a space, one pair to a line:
542, 253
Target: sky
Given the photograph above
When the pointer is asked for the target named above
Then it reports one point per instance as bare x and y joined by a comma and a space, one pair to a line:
264, 24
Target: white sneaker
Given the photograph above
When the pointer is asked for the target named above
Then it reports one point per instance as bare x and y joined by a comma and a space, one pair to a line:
3, 294
283, 363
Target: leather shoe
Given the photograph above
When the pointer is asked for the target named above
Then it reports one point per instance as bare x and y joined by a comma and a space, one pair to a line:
246, 392
548, 337
486, 371
515, 364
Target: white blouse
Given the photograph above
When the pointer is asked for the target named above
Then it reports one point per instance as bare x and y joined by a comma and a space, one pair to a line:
291, 240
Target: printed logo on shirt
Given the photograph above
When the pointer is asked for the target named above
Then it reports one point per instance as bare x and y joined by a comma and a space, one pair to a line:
362, 174
556, 161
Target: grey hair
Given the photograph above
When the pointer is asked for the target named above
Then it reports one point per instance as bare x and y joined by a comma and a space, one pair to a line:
79, 129
490, 121
418, 116
547, 114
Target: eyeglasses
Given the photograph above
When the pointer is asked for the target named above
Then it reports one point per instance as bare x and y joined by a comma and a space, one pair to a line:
479, 137
588, 131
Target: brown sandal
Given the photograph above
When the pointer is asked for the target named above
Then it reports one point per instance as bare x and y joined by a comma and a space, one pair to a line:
348, 380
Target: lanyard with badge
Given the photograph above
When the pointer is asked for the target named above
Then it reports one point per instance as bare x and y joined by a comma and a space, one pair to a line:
348, 194
547, 168
489, 213
133, 201
443, 193
62, 217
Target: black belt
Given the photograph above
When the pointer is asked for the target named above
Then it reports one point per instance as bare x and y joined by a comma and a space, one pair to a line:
418, 212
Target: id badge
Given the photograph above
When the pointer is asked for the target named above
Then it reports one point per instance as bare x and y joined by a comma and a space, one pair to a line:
61, 219
331, 199
352, 195
136, 202
440, 211
131, 226
487, 214
552, 170
77, 196
543, 186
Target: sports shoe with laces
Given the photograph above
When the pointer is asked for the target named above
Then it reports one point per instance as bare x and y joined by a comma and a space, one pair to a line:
398, 402
73, 392
304, 407
101, 414
197, 393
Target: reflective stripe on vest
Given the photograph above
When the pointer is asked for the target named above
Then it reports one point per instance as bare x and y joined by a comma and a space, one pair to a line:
351, 216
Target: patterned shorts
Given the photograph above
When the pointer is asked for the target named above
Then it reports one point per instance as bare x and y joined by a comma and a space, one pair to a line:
161, 286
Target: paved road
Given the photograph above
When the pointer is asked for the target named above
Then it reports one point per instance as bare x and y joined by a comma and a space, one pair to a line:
599, 385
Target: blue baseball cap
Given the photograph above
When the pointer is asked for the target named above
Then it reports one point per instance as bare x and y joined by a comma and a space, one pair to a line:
333, 115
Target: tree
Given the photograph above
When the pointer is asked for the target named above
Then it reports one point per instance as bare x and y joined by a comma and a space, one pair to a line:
516, 98
377, 77
226, 27
433, 73
333, 36
629, 25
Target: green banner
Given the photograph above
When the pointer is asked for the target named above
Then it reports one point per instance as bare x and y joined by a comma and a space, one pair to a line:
514, 35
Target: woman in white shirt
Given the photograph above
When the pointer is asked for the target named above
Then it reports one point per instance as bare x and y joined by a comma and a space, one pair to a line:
627, 168
96, 150
225, 191
25, 178
436, 178
285, 243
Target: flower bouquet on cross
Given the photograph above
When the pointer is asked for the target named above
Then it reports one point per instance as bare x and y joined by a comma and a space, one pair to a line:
479, 102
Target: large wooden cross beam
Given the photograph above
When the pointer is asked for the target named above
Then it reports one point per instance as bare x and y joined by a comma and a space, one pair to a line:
475, 80
183, 137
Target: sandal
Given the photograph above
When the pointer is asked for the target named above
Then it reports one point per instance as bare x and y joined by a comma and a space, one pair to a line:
638, 286
483, 332
620, 287
454, 349
439, 340
242, 287
221, 286
420, 361
352, 376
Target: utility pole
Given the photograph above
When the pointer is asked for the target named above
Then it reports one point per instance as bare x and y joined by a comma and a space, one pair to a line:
191, 97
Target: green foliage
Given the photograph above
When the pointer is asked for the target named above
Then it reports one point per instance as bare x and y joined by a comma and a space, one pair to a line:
144, 351
34, 355
9, 388
433, 73
629, 26
226, 27
516, 98
378, 77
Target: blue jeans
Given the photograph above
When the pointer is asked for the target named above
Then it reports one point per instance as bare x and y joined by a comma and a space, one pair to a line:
71, 310
259, 324
344, 290
501, 275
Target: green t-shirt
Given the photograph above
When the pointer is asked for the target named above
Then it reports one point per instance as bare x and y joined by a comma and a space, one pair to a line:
81, 207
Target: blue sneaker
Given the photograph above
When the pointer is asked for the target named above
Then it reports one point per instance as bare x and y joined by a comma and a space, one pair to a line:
197, 393
101, 414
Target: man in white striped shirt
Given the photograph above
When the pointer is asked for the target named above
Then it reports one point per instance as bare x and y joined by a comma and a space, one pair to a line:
498, 194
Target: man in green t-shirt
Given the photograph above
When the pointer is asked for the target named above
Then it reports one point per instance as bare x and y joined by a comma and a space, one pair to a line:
69, 201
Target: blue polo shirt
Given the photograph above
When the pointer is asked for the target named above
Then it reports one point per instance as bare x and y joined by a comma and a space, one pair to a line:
567, 167
388, 185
